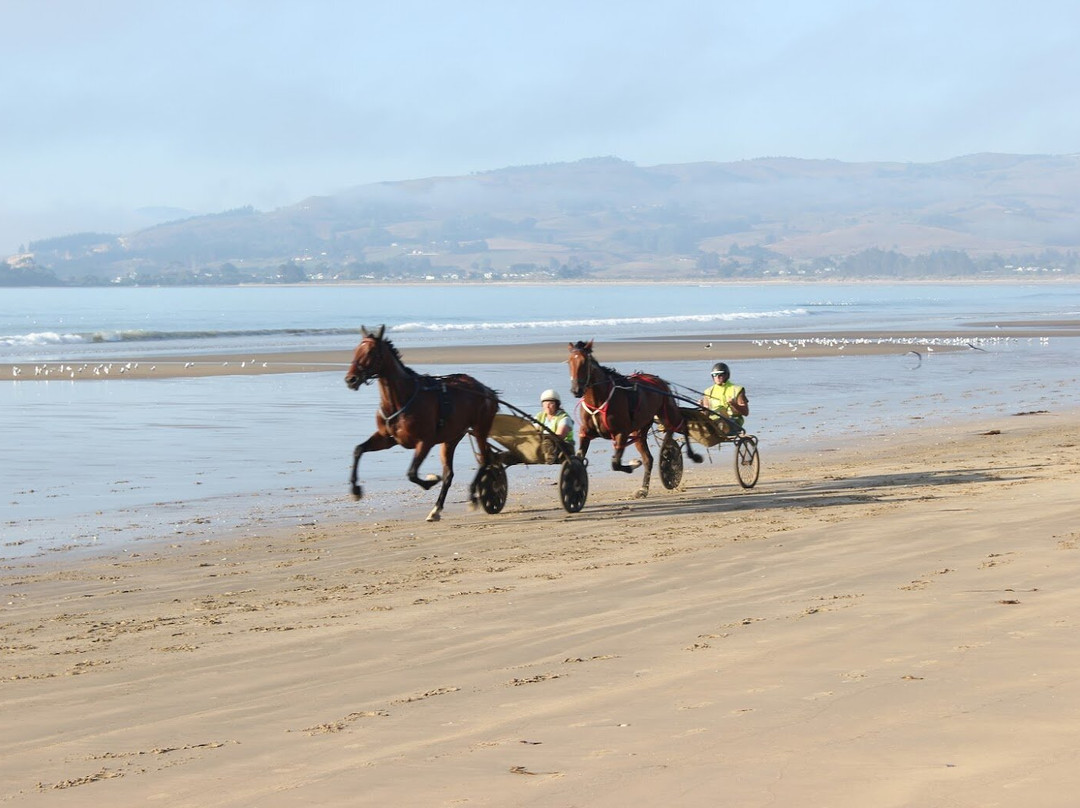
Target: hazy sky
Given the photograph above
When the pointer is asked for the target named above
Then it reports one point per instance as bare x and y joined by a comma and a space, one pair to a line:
110, 106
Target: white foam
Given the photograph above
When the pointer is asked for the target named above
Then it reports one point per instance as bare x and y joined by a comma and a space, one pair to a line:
612, 322
43, 338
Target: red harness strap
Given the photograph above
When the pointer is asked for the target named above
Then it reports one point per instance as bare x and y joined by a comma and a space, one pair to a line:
600, 424
674, 416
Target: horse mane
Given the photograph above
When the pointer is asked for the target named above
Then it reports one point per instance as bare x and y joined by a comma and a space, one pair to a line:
431, 381
393, 350
612, 372
583, 346
397, 355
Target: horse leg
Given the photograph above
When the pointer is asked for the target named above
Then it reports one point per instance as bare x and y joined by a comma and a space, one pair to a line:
480, 432
694, 456
616, 456
485, 459
584, 439
376, 443
419, 455
448, 477
672, 419
642, 443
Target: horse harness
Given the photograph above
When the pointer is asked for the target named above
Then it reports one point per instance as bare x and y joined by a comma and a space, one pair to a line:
430, 383
598, 416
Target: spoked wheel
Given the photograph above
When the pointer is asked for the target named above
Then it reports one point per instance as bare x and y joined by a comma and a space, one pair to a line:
573, 484
491, 487
671, 463
747, 461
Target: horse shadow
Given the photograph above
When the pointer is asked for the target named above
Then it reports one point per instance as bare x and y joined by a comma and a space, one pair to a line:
804, 493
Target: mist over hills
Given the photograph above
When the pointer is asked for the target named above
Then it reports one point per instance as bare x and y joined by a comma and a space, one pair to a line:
606, 218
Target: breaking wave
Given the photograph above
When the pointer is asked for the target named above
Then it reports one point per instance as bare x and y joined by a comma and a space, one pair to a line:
46, 338
610, 322
50, 338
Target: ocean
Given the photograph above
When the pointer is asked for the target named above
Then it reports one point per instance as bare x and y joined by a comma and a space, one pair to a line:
90, 465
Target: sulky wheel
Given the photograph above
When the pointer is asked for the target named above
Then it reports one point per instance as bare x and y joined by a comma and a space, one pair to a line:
491, 487
747, 461
671, 463
573, 484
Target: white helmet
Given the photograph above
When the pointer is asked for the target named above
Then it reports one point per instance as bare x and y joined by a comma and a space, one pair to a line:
550, 395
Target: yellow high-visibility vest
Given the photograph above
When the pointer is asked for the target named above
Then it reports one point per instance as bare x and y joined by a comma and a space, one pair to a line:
718, 398
553, 422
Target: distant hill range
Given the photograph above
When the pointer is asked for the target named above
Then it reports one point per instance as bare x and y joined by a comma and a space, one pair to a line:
606, 218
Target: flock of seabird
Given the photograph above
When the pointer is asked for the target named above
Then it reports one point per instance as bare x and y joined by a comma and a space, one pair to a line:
101, 369
927, 343
793, 344
71, 371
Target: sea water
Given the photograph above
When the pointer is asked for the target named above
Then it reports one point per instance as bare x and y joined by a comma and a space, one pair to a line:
49, 324
100, 464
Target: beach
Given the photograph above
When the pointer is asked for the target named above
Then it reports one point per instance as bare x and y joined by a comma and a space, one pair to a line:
889, 624
706, 347
194, 612
255, 363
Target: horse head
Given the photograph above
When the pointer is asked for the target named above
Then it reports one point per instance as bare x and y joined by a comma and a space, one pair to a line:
367, 359
581, 366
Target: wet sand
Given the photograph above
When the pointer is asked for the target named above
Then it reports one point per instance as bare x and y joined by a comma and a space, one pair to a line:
708, 347
890, 624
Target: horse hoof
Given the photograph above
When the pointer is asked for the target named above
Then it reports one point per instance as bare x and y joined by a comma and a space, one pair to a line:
434, 516
641, 493
428, 482
357, 492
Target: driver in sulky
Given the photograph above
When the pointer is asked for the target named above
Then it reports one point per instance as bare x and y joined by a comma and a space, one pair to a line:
724, 397
556, 419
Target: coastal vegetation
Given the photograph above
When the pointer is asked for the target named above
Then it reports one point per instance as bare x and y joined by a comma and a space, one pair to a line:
982, 216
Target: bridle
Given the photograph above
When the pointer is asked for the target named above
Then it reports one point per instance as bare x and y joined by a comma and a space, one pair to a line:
373, 370
598, 416
577, 387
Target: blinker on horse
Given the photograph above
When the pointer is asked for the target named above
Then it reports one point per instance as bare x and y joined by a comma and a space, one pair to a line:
419, 412
623, 408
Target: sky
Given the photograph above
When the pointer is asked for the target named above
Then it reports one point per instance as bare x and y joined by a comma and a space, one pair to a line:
113, 109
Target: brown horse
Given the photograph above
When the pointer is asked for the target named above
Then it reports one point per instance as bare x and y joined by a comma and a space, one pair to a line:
420, 412
623, 408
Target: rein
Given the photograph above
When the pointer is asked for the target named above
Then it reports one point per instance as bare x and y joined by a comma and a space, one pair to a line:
599, 424
418, 388
598, 416
405, 406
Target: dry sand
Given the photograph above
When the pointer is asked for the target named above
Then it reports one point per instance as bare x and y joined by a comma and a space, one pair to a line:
890, 625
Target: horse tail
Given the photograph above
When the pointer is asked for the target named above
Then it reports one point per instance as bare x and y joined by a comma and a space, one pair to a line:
669, 411
673, 415
484, 416
491, 400
487, 406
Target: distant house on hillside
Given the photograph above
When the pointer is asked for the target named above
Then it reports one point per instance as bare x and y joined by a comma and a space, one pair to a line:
20, 261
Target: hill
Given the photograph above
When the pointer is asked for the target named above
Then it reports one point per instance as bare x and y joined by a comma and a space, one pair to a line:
608, 218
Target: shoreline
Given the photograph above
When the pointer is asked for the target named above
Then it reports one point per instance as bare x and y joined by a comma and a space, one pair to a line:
895, 610
606, 490
708, 346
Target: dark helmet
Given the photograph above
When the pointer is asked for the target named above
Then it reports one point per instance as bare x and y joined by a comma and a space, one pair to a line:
721, 367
